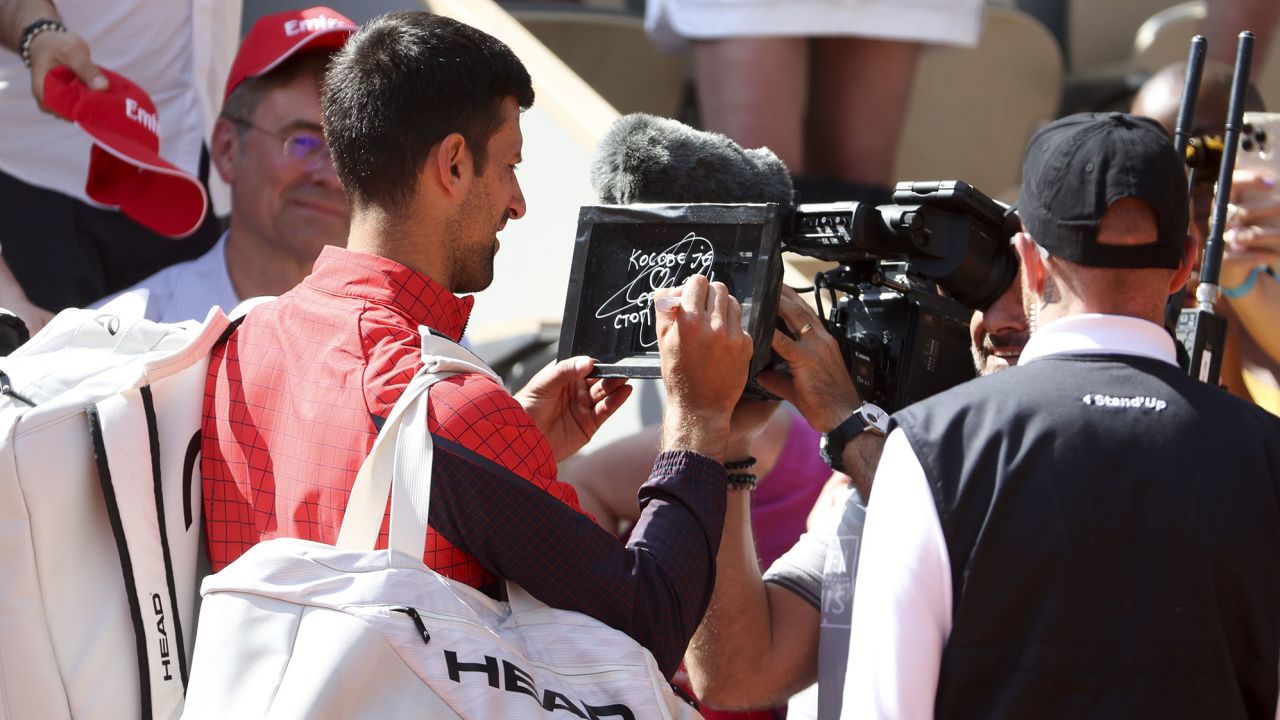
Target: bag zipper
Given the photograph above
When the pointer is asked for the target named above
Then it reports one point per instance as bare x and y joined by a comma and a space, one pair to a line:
690, 700
6, 388
595, 669
417, 621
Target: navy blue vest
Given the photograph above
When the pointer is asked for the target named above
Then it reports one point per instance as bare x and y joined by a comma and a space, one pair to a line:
1113, 528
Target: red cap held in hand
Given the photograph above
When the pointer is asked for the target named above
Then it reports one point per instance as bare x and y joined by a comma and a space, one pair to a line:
277, 37
125, 167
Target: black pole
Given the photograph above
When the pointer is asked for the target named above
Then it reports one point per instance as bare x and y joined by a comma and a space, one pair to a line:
1181, 138
1190, 89
1207, 292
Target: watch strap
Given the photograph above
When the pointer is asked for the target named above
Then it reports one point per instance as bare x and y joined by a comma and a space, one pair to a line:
834, 441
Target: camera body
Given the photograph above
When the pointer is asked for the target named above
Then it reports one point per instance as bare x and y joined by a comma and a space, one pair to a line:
902, 337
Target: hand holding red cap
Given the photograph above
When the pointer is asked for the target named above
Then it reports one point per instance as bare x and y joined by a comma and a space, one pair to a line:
51, 49
125, 167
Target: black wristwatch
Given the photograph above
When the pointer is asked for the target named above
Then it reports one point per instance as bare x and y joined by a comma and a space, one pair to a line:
869, 418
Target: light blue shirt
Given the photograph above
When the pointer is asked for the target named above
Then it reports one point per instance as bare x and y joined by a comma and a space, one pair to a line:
185, 291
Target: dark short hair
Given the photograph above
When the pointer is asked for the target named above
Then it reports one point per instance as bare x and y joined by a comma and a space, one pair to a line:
402, 84
242, 104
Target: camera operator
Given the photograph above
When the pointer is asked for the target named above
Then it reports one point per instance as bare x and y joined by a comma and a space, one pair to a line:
742, 657
759, 642
1093, 532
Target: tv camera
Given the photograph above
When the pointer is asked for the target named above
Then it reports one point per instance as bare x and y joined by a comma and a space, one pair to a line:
908, 274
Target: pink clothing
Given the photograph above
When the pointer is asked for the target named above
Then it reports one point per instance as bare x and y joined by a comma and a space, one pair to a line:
785, 496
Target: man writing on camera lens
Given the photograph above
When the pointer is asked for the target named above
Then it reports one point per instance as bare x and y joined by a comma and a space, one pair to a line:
1093, 533
422, 116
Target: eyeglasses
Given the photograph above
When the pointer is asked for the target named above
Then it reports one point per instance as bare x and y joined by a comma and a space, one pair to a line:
304, 148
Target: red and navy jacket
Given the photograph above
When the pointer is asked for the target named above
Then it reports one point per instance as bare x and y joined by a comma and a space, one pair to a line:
294, 400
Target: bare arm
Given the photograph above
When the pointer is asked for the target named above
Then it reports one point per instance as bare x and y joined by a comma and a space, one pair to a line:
1253, 239
48, 49
1257, 312
17, 14
758, 643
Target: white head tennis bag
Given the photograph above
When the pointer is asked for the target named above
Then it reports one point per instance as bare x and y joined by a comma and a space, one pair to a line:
297, 629
100, 515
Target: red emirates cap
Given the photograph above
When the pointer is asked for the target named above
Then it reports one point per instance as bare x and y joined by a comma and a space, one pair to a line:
125, 167
277, 37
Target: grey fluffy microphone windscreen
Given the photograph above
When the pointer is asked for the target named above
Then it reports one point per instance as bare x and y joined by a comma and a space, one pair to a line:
648, 159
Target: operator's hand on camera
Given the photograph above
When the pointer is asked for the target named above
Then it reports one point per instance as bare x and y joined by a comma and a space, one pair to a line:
1252, 232
567, 406
705, 355
818, 384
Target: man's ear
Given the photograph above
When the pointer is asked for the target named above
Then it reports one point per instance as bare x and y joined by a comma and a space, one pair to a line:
1033, 269
1179, 279
450, 165
224, 149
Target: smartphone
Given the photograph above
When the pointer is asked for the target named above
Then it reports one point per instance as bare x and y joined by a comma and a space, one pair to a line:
1260, 151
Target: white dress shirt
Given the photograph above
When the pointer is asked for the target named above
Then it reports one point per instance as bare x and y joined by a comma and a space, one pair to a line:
902, 600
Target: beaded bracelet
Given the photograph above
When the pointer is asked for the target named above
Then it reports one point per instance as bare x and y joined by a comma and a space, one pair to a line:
742, 464
32, 31
1243, 288
742, 481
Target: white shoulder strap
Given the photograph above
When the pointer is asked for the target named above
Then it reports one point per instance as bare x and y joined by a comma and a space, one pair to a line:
241, 310
402, 456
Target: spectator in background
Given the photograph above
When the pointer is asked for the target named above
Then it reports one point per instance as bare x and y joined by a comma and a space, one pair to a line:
1227, 18
59, 248
824, 85
268, 145
1251, 300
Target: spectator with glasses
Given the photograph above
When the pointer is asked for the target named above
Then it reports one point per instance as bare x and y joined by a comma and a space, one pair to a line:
59, 247
286, 201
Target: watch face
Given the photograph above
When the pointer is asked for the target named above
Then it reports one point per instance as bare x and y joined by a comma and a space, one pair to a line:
877, 419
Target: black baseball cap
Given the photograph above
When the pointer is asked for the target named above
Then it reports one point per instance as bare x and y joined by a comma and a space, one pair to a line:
1076, 167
